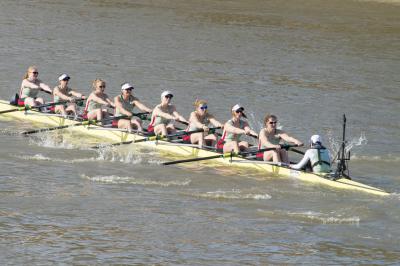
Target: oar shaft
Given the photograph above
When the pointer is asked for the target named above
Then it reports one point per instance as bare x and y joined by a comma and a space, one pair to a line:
197, 159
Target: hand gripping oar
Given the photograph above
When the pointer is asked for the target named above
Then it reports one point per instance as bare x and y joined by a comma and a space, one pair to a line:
226, 155
154, 138
83, 123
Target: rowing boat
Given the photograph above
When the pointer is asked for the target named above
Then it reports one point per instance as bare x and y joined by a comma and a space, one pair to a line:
166, 147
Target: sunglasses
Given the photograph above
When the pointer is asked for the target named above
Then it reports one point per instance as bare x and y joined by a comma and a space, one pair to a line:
130, 89
203, 107
239, 111
272, 122
168, 96
35, 72
102, 86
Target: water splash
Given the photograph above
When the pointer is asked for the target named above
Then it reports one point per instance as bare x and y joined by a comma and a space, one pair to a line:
335, 145
51, 141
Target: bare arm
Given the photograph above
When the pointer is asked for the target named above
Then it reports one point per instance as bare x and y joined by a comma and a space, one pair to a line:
234, 130
179, 117
158, 112
142, 107
45, 87
97, 99
215, 122
62, 96
264, 140
77, 94
118, 104
249, 131
194, 120
288, 138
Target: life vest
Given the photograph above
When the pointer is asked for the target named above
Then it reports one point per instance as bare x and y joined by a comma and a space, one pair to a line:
320, 160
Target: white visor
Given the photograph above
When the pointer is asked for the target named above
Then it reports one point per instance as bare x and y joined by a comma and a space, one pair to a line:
237, 107
63, 77
126, 86
165, 93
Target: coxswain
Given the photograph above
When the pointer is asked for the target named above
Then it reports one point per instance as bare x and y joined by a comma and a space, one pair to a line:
317, 155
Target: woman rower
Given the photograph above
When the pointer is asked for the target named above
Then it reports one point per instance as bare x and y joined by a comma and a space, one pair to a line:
65, 93
124, 104
233, 130
317, 155
271, 137
199, 119
163, 116
30, 88
97, 100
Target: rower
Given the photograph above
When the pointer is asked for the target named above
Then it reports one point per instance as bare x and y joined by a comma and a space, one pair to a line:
199, 119
124, 104
30, 88
97, 101
233, 130
65, 93
271, 137
317, 155
164, 115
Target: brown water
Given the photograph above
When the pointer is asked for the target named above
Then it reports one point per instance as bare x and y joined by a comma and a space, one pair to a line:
306, 61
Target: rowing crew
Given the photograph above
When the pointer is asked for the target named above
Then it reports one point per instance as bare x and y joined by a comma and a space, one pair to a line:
164, 115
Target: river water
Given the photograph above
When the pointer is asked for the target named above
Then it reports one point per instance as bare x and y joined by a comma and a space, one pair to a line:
309, 62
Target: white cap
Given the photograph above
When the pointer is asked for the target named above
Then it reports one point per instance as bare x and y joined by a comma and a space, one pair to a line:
126, 86
63, 77
315, 139
237, 107
165, 93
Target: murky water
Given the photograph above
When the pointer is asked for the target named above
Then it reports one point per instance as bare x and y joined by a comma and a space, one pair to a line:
306, 61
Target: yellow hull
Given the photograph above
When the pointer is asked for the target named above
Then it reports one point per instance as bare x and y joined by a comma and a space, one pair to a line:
188, 151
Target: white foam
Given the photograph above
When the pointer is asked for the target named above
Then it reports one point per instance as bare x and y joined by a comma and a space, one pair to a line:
113, 179
232, 195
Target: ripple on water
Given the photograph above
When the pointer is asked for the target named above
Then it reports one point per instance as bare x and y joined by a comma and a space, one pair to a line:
113, 179
313, 217
234, 194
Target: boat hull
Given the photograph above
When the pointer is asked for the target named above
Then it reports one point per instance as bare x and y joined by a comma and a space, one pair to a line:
188, 151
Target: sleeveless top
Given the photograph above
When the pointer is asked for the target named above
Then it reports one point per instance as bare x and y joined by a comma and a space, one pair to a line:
204, 121
158, 120
126, 104
93, 105
274, 139
29, 92
226, 136
320, 160
56, 98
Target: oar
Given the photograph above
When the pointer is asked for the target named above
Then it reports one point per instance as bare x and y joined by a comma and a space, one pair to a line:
25, 108
154, 138
225, 155
83, 123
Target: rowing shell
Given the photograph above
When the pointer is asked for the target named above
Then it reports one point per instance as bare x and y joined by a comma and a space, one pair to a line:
188, 150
